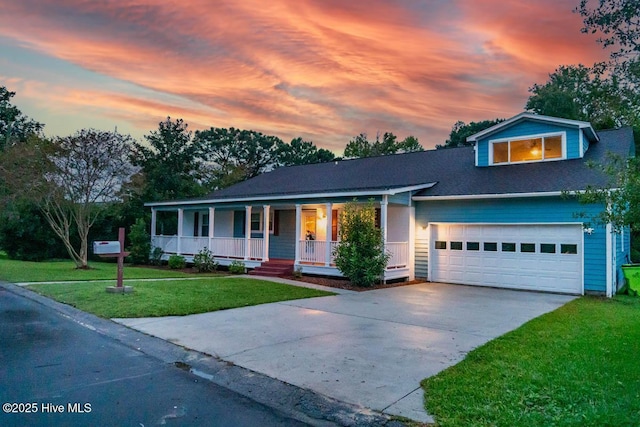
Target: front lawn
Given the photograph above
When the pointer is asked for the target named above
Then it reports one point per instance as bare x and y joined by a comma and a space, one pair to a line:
576, 366
173, 297
50, 271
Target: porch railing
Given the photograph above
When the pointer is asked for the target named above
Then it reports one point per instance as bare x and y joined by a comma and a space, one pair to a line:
399, 252
227, 247
314, 252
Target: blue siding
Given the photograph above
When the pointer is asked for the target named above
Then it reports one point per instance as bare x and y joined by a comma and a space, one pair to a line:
401, 199
524, 210
283, 245
525, 128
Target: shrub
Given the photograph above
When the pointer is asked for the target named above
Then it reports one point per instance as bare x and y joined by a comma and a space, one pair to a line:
360, 254
297, 273
156, 256
25, 234
140, 242
237, 267
177, 262
203, 261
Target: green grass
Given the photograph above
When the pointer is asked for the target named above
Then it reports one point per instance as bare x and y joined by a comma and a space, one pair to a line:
49, 271
576, 366
633, 277
173, 298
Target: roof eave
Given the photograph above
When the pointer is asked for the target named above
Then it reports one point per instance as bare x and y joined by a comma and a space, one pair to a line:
376, 192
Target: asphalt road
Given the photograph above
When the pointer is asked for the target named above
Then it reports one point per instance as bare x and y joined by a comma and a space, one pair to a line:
56, 372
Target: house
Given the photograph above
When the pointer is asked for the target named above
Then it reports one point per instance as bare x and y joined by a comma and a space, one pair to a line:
495, 214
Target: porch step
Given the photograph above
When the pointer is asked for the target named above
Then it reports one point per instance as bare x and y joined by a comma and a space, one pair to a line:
277, 268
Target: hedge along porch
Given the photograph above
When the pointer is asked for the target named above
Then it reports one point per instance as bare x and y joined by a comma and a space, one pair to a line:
305, 233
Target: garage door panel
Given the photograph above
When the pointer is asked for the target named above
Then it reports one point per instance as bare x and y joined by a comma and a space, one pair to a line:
537, 270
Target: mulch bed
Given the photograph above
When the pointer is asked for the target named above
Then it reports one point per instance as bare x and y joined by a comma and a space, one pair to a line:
317, 280
345, 284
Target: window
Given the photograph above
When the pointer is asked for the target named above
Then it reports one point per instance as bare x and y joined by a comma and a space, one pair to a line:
490, 246
566, 248
205, 224
441, 245
256, 221
535, 149
527, 247
548, 248
456, 246
508, 247
473, 246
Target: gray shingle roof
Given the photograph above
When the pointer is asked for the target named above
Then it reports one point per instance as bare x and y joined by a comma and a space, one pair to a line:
453, 169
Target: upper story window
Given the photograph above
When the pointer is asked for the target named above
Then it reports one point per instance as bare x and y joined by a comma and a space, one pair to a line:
532, 149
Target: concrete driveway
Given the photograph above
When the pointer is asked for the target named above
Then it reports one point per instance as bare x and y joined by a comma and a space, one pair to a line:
369, 348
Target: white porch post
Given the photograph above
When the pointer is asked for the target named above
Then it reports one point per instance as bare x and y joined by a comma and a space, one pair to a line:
180, 229
154, 220
327, 255
247, 233
265, 234
212, 212
383, 224
298, 225
383, 217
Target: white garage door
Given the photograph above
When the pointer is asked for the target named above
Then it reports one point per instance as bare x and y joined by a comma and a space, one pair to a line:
535, 257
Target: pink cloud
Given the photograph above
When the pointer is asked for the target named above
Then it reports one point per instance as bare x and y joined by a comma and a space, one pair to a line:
326, 70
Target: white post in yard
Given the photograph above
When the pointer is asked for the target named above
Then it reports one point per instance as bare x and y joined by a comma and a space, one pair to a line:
327, 257
180, 227
265, 232
298, 225
247, 233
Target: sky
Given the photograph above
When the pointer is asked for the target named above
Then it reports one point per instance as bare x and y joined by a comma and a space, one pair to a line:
323, 70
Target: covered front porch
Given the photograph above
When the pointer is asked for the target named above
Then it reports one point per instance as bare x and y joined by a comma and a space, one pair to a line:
306, 233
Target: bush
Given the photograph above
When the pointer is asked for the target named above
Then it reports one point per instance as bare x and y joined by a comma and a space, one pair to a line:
177, 262
237, 267
203, 261
156, 256
25, 234
360, 254
140, 242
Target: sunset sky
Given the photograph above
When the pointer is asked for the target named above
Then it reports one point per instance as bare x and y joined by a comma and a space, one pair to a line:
325, 70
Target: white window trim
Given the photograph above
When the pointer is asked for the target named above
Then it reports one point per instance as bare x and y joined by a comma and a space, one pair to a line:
563, 136
261, 227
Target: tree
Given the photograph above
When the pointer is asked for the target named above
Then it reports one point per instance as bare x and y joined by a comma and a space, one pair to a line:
460, 131
171, 164
14, 126
25, 235
360, 254
360, 146
301, 152
586, 94
234, 155
621, 195
73, 180
619, 23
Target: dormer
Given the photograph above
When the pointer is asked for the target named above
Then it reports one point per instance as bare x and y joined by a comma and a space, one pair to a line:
528, 138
